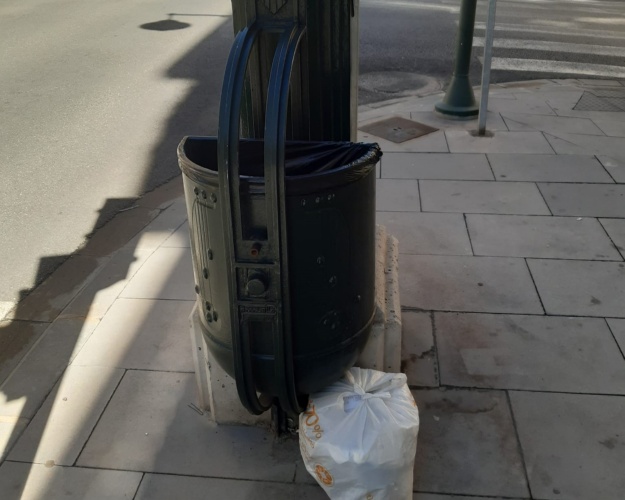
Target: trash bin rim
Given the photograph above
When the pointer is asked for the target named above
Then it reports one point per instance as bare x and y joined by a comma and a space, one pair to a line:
370, 159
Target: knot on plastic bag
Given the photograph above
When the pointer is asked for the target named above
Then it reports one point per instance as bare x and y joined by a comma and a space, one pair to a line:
350, 401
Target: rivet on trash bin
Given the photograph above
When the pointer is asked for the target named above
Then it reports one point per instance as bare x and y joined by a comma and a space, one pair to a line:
203, 194
215, 315
205, 273
255, 250
321, 260
333, 281
213, 197
209, 253
208, 305
209, 317
196, 190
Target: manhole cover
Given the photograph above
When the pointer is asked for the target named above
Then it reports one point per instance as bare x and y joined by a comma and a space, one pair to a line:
591, 102
397, 83
397, 129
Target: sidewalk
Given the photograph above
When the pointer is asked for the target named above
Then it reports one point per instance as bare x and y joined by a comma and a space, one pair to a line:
512, 278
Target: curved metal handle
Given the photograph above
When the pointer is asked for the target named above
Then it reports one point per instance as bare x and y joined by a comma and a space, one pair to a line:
228, 169
275, 137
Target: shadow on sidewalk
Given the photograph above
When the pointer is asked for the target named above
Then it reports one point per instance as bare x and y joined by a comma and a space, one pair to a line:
52, 322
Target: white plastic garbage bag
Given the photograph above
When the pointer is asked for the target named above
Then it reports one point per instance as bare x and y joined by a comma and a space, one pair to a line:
358, 437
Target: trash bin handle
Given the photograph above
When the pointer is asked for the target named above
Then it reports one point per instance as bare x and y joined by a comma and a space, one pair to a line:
228, 169
275, 138
228, 172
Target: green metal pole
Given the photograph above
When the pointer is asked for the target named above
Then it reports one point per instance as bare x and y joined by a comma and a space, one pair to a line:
459, 100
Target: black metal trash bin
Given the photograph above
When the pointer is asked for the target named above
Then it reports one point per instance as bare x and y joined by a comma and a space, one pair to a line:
330, 229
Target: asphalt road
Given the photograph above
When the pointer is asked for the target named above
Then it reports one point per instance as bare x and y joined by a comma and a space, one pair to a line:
92, 107
409, 42
95, 96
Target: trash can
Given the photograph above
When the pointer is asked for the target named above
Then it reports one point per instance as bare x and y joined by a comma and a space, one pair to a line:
330, 228
283, 241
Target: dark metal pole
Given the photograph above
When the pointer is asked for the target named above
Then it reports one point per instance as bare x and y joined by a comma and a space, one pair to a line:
459, 100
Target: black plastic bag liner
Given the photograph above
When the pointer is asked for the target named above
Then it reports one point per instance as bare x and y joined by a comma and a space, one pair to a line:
331, 163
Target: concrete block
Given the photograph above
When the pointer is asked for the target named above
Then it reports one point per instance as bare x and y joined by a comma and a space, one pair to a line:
372, 355
383, 350
218, 390
392, 325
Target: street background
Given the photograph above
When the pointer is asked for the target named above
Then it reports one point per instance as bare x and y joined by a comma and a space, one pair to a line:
95, 96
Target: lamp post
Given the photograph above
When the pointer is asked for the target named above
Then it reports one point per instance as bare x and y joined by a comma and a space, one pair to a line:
459, 100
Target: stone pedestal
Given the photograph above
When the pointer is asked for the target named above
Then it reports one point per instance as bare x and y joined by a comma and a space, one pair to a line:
218, 391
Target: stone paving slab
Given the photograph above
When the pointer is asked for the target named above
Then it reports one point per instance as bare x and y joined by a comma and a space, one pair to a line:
472, 284
615, 167
23, 393
95, 299
50, 298
616, 230
561, 99
617, 326
467, 444
585, 200
564, 143
538, 353
167, 274
482, 197
419, 359
396, 195
599, 83
427, 233
430, 143
11, 429
16, 339
525, 122
113, 235
434, 119
20, 481
573, 445
436, 166
161, 228
461, 141
580, 288
434, 496
522, 104
166, 487
180, 237
141, 334
150, 425
611, 126
64, 422
542, 237
548, 168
